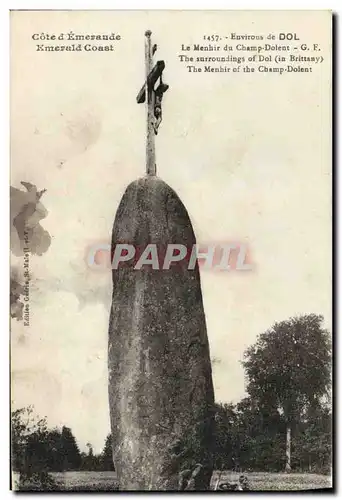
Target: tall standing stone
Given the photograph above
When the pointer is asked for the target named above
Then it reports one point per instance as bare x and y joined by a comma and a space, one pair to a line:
160, 384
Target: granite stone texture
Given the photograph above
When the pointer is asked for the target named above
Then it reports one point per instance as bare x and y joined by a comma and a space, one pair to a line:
160, 382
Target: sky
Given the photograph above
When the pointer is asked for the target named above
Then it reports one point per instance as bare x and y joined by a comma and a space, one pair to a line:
250, 157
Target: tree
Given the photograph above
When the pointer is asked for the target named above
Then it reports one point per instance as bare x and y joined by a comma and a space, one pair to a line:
313, 445
55, 450
90, 449
19, 429
30, 450
257, 436
90, 461
225, 451
106, 458
71, 452
288, 369
25, 428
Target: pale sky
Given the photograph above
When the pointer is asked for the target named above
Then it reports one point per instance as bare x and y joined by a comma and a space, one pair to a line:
250, 157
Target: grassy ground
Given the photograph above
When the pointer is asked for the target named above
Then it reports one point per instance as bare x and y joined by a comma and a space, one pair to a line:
258, 481
262, 481
269, 481
86, 481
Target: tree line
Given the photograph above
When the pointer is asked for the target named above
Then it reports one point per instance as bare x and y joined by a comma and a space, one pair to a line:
37, 448
248, 439
284, 424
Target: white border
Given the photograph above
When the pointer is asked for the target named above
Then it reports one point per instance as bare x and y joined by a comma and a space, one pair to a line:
5, 6
171, 5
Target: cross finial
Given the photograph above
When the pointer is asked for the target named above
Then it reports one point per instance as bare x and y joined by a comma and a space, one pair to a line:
153, 98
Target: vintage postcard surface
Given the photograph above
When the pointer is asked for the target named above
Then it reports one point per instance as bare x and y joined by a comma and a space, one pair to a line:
171, 250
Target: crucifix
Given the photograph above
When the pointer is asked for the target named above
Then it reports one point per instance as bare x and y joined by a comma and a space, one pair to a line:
152, 96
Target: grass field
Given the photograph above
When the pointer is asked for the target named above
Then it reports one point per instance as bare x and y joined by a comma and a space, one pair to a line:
259, 481
276, 481
83, 480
